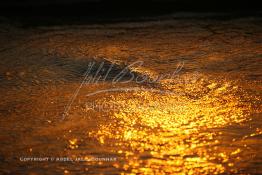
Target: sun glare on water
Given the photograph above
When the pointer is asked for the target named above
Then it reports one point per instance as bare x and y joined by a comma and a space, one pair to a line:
172, 133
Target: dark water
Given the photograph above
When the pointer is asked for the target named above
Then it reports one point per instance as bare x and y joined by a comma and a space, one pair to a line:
206, 119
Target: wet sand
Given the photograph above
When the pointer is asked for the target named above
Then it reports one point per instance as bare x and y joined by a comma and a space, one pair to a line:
204, 120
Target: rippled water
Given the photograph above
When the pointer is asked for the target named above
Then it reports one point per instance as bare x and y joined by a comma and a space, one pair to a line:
204, 120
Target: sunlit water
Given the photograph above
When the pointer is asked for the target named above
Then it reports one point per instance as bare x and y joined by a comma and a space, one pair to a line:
204, 120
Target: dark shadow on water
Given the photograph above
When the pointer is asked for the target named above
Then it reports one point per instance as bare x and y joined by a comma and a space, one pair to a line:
98, 69
112, 11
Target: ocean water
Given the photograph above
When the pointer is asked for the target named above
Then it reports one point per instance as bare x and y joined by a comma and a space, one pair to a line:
189, 100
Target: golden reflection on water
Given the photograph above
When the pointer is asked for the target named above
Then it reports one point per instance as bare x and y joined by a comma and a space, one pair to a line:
169, 133
189, 131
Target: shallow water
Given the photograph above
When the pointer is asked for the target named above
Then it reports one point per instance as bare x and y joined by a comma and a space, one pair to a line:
206, 119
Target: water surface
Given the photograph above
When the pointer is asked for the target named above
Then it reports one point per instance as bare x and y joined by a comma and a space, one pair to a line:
204, 120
